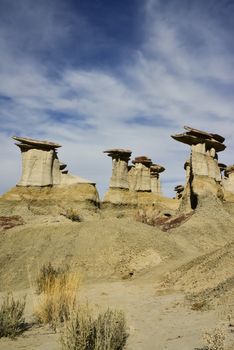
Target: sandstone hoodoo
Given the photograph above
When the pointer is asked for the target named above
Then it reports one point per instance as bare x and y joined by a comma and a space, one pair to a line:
179, 189
41, 166
155, 170
139, 175
120, 158
202, 170
46, 185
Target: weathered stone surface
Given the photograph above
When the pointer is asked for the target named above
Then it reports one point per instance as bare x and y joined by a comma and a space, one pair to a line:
203, 173
41, 166
120, 158
155, 170
139, 175
228, 180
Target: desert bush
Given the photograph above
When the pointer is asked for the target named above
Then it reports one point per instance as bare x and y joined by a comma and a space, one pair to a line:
72, 215
215, 339
58, 299
11, 317
105, 332
47, 276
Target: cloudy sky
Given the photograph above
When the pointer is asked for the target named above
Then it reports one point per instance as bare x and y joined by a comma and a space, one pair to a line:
98, 74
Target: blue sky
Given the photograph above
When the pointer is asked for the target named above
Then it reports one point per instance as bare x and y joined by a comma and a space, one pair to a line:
97, 74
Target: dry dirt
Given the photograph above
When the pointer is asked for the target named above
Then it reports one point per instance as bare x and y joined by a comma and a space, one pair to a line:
156, 277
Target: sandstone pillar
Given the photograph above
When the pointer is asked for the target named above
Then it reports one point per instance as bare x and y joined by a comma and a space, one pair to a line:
38, 161
139, 175
120, 158
203, 174
155, 170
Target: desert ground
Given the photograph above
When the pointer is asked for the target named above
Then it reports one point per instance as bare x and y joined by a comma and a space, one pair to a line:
173, 285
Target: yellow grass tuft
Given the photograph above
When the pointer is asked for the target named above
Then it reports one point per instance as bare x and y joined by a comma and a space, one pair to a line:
58, 299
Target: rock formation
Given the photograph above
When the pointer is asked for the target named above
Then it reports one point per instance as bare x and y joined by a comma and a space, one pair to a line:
41, 166
139, 175
228, 179
120, 158
179, 189
202, 170
155, 170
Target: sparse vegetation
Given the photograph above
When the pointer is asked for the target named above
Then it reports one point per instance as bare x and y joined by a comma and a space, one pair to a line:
12, 322
72, 215
47, 276
215, 339
58, 297
105, 332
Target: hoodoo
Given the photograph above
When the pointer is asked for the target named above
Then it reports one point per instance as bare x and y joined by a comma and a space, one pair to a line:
41, 166
120, 158
202, 170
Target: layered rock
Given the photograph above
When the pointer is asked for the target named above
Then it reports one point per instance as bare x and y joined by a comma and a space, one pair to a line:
139, 175
41, 166
202, 170
120, 158
155, 170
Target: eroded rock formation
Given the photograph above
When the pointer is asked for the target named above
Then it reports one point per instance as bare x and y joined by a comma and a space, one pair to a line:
202, 170
228, 179
155, 170
120, 158
41, 166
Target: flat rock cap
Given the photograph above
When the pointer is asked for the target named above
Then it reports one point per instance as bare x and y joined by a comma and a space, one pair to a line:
194, 136
119, 153
34, 142
143, 160
157, 168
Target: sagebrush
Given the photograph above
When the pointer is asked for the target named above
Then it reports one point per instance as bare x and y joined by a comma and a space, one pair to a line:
12, 322
107, 331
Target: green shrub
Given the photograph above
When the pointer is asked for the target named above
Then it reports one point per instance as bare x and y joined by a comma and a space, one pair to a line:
11, 317
105, 332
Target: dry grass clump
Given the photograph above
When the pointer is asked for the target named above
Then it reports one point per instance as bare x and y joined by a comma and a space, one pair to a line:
105, 332
57, 299
47, 276
12, 322
215, 339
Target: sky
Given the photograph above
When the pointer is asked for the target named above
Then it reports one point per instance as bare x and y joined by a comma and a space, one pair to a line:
99, 74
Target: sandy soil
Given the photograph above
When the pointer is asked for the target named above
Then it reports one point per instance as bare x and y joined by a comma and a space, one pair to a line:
194, 257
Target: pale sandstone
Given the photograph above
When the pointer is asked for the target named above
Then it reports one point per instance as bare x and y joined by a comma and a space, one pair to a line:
120, 158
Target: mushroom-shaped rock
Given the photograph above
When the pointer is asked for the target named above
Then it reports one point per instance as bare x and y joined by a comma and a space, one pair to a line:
39, 162
228, 180
120, 158
194, 137
155, 170
179, 189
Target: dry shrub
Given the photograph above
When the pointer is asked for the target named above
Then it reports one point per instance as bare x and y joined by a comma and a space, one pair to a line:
215, 339
58, 299
47, 276
11, 317
84, 332
72, 215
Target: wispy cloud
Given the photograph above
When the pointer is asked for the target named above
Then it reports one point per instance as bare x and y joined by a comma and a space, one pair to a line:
181, 73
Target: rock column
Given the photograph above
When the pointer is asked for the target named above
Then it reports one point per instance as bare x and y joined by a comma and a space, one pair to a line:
39, 161
202, 171
120, 158
155, 170
139, 175
228, 180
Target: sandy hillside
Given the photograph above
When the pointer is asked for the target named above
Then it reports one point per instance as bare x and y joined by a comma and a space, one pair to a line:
141, 269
